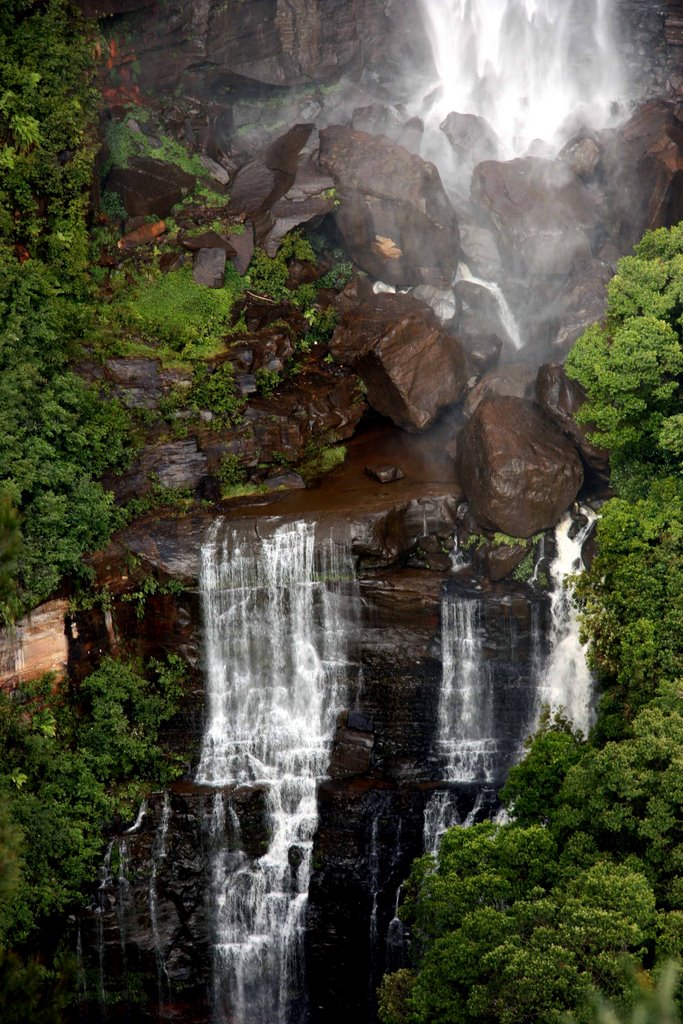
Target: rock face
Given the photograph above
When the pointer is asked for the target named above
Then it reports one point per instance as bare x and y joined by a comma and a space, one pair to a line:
394, 215
36, 645
544, 215
410, 366
518, 471
561, 398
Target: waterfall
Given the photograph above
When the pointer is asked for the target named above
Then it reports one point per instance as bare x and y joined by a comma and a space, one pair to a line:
534, 69
276, 667
565, 680
465, 724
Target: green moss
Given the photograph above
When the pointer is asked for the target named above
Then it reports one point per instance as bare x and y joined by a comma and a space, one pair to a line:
171, 311
320, 459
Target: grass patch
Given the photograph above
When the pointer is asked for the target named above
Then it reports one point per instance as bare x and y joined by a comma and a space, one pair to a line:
182, 320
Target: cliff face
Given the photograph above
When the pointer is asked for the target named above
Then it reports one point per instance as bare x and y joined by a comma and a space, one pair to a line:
231, 79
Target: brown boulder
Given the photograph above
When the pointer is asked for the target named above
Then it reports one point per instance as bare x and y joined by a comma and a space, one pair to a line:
394, 215
471, 137
410, 366
516, 379
149, 186
544, 215
518, 472
561, 398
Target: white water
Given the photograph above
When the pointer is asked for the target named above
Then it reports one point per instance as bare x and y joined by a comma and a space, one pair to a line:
566, 683
531, 68
465, 718
276, 666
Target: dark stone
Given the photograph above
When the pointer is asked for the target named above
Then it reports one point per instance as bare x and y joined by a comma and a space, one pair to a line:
359, 721
207, 240
482, 350
148, 186
351, 753
561, 398
209, 267
582, 301
471, 137
411, 367
519, 473
514, 379
243, 245
643, 164
384, 474
394, 215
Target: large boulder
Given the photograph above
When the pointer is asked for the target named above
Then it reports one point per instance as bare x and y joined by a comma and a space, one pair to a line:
544, 215
582, 301
518, 471
472, 138
643, 167
560, 397
410, 366
148, 186
394, 215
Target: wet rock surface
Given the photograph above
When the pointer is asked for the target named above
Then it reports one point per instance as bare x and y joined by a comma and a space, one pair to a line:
518, 471
394, 215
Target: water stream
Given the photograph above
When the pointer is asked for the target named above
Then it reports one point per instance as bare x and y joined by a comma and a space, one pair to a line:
276, 666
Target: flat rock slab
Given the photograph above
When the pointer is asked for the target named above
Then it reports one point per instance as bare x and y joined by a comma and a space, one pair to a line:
149, 186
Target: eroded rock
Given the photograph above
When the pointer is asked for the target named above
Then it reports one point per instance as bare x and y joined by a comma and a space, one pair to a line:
394, 215
518, 471
560, 397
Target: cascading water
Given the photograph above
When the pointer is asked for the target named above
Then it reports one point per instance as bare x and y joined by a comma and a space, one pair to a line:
505, 314
276, 668
534, 69
465, 725
565, 680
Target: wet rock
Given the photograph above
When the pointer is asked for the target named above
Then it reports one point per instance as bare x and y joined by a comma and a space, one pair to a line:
176, 464
583, 155
561, 398
517, 469
351, 751
515, 379
136, 382
482, 350
471, 137
443, 302
209, 267
544, 215
582, 301
217, 172
643, 163
149, 186
207, 240
391, 122
394, 215
243, 245
384, 474
410, 366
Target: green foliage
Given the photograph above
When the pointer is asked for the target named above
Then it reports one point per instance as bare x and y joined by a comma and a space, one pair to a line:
85, 756
57, 435
632, 599
216, 391
171, 309
125, 142
148, 587
631, 365
267, 382
320, 459
47, 105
